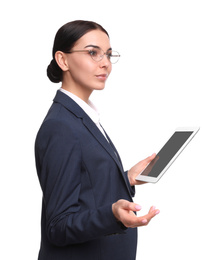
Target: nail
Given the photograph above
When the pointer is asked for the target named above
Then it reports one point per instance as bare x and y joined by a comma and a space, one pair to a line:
144, 221
138, 207
153, 208
157, 212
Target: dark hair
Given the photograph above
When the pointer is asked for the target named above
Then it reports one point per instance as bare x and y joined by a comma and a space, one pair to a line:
65, 39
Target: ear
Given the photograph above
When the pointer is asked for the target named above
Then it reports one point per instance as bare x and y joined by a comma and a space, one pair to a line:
61, 60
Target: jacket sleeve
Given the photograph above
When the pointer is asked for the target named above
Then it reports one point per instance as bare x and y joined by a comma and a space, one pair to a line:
59, 165
131, 188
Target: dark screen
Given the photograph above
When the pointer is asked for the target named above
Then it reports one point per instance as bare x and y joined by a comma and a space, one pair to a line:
166, 153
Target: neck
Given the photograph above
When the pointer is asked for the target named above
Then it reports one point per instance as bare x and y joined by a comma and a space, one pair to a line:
78, 91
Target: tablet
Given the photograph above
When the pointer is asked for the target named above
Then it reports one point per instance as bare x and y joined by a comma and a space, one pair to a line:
166, 156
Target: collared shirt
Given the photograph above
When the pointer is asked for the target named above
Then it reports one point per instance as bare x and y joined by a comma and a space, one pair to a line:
90, 109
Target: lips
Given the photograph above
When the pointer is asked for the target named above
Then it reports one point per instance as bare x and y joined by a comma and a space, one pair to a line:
102, 76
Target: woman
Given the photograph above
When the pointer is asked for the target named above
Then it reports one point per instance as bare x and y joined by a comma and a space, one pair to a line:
87, 208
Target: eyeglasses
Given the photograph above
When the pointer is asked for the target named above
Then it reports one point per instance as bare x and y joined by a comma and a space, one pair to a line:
97, 54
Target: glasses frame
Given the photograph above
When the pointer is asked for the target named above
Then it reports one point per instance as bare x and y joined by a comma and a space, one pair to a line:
101, 57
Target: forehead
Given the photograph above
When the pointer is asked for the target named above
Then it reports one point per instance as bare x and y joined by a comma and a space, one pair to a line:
95, 37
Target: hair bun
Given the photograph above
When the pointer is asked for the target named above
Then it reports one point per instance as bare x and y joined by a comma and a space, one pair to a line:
54, 72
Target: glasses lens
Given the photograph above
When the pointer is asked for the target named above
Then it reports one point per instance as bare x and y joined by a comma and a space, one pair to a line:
114, 56
96, 54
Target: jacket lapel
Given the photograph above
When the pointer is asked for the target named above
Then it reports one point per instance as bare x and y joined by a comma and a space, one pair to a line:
102, 140
72, 106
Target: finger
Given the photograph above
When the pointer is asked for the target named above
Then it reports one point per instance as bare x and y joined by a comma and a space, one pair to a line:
144, 163
133, 206
150, 158
131, 220
152, 209
152, 213
127, 205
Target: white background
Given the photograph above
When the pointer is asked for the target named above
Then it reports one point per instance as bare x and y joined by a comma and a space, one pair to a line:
169, 75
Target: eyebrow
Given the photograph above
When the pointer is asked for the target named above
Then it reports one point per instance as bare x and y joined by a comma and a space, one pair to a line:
97, 47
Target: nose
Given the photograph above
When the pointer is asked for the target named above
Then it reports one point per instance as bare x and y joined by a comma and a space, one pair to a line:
105, 61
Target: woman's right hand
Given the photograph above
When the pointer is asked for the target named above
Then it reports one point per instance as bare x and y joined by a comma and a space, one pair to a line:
123, 211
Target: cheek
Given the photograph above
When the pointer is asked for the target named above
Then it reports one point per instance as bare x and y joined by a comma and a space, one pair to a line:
82, 69
109, 69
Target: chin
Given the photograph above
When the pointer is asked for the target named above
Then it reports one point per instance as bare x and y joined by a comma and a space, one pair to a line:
99, 87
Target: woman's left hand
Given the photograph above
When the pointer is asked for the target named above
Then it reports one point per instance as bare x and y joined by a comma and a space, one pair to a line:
139, 167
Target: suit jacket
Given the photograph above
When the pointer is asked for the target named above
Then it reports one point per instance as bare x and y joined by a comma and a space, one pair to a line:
81, 176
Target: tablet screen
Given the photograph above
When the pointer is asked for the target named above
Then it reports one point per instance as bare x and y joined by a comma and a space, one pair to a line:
165, 155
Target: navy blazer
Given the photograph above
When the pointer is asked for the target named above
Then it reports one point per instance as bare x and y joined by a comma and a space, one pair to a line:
81, 176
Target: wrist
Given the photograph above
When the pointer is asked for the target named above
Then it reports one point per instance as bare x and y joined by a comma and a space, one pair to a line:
114, 210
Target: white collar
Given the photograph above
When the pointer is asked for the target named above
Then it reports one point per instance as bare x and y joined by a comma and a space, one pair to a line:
90, 109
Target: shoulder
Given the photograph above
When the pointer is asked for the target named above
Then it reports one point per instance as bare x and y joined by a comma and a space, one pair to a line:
58, 114
59, 124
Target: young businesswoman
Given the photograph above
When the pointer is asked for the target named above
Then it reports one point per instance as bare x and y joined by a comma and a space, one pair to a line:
87, 207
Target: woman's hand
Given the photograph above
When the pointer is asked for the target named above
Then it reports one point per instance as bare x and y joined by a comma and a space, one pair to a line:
135, 170
123, 211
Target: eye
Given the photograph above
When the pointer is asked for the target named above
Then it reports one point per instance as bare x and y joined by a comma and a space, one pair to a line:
93, 52
109, 55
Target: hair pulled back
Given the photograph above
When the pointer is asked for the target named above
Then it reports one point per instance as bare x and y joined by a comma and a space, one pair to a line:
65, 39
